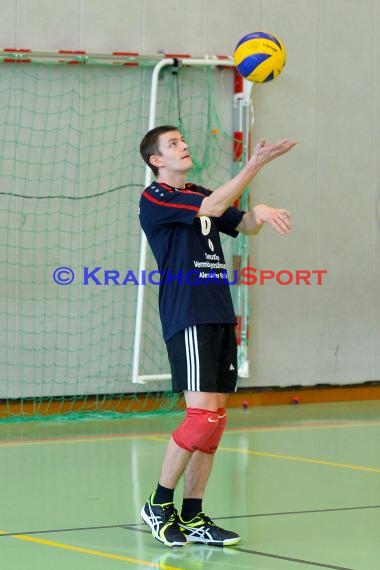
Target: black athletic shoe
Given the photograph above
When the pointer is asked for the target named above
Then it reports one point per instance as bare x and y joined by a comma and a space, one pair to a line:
202, 529
164, 523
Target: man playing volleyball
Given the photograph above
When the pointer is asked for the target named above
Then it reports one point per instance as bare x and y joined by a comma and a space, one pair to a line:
182, 223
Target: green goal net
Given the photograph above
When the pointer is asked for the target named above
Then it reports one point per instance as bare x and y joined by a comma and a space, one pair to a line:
70, 182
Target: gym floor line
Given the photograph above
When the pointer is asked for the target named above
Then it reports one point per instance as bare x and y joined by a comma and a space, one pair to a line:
130, 560
135, 526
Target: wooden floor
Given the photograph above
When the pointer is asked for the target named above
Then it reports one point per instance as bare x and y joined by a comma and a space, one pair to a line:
301, 484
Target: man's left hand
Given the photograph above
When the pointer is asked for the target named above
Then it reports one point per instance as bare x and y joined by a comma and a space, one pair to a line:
278, 218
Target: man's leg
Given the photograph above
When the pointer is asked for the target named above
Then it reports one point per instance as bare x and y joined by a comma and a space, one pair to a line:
197, 367
159, 512
195, 432
197, 526
200, 465
197, 474
175, 461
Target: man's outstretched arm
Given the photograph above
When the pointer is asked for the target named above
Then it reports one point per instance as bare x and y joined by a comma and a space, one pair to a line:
224, 196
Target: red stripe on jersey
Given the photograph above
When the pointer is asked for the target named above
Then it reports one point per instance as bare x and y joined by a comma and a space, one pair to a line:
192, 192
168, 205
171, 189
166, 186
191, 185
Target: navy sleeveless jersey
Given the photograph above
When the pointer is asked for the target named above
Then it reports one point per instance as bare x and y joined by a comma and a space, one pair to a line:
194, 286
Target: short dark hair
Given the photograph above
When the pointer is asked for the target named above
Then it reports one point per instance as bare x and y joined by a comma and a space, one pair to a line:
149, 144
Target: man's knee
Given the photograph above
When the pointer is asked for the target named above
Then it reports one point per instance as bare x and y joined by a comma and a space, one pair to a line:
212, 444
197, 429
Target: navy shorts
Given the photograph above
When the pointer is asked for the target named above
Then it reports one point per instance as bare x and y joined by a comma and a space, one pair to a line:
203, 358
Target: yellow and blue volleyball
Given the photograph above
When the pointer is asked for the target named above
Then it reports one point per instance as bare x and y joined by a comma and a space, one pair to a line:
260, 57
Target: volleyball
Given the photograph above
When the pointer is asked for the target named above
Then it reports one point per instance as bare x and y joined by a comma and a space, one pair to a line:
259, 57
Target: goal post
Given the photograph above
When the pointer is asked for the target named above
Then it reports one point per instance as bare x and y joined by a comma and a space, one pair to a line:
242, 122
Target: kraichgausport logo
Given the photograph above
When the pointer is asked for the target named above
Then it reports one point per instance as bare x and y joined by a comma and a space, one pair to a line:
246, 276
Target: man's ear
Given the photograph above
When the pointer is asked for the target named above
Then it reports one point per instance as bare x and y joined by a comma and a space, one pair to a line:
155, 160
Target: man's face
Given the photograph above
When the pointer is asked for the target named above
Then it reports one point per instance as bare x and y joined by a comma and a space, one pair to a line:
174, 153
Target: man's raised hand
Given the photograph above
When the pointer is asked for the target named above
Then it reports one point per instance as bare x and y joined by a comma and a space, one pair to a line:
264, 152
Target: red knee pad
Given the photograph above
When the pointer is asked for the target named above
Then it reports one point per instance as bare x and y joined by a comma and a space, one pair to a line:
196, 429
212, 444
